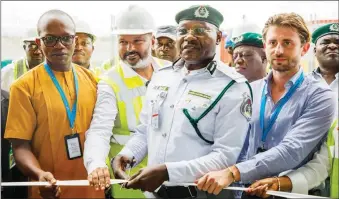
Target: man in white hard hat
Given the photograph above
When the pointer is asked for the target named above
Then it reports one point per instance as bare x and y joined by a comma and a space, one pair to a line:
33, 57
119, 100
84, 46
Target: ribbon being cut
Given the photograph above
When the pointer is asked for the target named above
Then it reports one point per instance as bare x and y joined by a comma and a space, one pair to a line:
115, 181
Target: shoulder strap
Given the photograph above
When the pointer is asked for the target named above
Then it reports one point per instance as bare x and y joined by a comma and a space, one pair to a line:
250, 88
194, 122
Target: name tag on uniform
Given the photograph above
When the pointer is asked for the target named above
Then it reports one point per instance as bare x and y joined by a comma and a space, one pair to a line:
73, 146
155, 115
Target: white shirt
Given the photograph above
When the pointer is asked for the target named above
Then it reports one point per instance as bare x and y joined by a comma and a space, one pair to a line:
7, 77
97, 143
315, 171
175, 142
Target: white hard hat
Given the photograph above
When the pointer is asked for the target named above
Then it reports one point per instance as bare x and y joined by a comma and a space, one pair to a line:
83, 27
30, 39
135, 20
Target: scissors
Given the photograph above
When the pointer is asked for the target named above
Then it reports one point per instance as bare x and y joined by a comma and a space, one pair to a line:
129, 166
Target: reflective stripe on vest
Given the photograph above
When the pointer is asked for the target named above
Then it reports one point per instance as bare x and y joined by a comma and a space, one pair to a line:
129, 93
19, 68
333, 159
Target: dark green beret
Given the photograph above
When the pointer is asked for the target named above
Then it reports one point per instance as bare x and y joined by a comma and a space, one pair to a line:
248, 39
201, 13
332, 28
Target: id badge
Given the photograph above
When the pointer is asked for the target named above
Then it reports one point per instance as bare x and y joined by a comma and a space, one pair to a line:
73, 146
155, 115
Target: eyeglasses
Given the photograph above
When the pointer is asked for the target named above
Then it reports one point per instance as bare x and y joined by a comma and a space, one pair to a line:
51, 41
195, 31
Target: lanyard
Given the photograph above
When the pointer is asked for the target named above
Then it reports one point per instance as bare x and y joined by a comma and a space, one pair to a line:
280, 105
70, 114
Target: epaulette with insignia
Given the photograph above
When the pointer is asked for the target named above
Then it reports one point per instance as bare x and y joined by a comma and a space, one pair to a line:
230, 72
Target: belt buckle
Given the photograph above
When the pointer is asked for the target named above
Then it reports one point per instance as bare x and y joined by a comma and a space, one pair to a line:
189, 190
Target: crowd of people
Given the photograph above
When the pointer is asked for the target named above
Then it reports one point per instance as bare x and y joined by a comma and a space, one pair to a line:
168, 109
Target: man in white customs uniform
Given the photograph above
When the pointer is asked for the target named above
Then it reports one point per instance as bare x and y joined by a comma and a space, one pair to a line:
120, 94
195, 116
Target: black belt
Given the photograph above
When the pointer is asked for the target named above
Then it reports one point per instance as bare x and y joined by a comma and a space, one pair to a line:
177, 192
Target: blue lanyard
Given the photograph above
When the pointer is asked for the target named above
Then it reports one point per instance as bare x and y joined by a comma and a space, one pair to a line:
70, 114
280, 105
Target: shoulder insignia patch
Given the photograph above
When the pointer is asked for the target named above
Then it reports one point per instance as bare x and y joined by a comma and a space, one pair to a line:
246, 106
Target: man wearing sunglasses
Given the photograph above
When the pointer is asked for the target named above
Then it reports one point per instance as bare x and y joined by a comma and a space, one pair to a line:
50, 109
33, 57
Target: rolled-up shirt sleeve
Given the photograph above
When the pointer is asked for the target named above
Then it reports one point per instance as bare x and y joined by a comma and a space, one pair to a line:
97, 143
302, 138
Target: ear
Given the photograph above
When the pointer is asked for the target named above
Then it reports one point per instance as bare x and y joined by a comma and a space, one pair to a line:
38, 41
153, 40
264, 60
219, 36
314, 49
24, 46
305, 48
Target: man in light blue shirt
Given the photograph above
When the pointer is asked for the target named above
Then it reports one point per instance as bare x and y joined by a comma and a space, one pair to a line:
291, 112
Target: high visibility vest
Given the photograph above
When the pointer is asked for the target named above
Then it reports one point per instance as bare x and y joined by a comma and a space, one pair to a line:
332, 143
20, 68
129, 93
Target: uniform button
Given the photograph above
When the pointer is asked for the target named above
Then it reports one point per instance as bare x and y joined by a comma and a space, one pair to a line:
164, 135
172, 106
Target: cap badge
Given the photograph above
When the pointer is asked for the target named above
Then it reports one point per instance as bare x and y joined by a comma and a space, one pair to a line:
201, 12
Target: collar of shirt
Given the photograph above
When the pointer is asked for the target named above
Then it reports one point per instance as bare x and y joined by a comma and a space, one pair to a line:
317, 72
180, 64
289, 84
90, 67
187, 72
129, 72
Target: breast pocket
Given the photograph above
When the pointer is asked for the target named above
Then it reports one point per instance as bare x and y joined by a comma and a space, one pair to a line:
195, 105
156, 100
